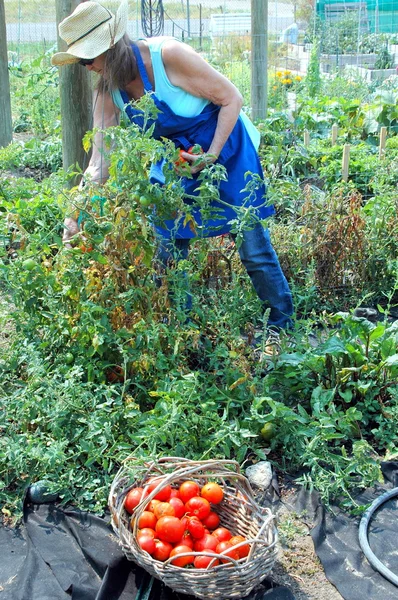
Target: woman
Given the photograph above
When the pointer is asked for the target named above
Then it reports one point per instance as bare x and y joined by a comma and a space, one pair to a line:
198, 106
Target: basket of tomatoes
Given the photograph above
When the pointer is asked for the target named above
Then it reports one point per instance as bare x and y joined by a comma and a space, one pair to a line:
195, 525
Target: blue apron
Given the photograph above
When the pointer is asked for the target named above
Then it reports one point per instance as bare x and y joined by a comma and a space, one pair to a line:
238, 156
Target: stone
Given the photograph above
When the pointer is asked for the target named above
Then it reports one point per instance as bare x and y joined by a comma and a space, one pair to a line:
260, 474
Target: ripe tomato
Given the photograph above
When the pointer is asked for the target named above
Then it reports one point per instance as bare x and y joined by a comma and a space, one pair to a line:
147, 543
133, 498
207, 542
223, 534
162, 550
179, 507
175, 493
242, 550
195, 528
164, 494
186, 540
188, 490
182, 561
212, 521
151, 505
212, 492
227, 549
147, 531
198, 507
202, 562
169, 529
147, 519
163, 509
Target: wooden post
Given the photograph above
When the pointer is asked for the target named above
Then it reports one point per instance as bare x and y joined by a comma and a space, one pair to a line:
76, 100
259, 58
306, 138
382, 144
5, 98
335, 131
346, 162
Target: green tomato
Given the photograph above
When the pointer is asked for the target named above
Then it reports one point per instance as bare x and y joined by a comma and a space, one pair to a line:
268, 431
69, 358
106, 228
145, 201
29, 264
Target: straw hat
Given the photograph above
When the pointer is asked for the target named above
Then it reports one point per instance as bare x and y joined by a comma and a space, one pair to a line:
89, 31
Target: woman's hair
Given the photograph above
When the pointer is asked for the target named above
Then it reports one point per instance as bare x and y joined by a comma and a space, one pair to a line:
120, 66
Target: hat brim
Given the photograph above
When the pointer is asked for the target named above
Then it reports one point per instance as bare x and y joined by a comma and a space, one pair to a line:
95, 44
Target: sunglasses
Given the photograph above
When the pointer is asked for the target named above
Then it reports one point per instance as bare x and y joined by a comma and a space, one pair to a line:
86, 61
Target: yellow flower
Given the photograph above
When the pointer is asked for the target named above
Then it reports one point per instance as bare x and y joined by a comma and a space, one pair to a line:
288, 81
298, 78
278, 74
274, 87
286, 72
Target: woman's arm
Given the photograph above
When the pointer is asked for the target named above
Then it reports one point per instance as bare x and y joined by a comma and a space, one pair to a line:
185, 68
105, 115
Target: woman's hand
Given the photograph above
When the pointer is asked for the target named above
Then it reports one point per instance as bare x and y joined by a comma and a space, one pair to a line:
71, 228
199, 161
186, 69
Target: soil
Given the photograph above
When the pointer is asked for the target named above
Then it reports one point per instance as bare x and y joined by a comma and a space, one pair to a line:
297, 566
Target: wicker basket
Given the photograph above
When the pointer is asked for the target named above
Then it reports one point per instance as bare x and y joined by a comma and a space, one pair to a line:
238, 511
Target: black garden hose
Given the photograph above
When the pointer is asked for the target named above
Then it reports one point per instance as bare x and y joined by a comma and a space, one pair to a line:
363, 536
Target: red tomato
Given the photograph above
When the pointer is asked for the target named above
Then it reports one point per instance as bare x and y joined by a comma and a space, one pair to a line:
182, 561
162, 550
147, 531
147, 519
198, 507
212, 492
195, 528
133, 498
223, 534
188, 490
242, 550
164, 494
212, 521
163, 509
202, 562
147, 543
174, 493
186, 540
207, 542
179, 507
169, 529
152, 504
227, 549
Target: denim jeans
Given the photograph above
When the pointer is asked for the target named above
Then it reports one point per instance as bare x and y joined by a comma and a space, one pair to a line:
262, 265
